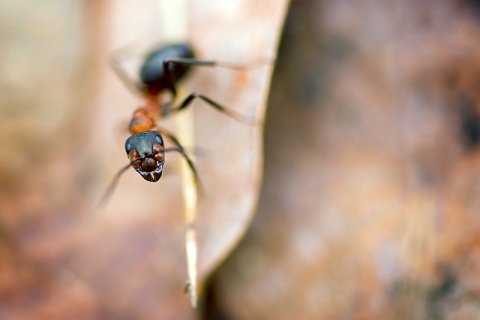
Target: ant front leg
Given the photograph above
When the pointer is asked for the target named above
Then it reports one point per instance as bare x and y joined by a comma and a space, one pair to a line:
180, 149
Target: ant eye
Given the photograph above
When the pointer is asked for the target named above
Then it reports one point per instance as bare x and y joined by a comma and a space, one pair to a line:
158, 138
128, 147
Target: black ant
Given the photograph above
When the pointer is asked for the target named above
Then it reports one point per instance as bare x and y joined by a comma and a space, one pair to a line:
160, 72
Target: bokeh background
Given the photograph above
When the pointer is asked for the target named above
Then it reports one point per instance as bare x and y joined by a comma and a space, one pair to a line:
369, 206
64, 124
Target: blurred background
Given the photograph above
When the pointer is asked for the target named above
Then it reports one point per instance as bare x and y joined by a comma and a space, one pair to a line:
369, 206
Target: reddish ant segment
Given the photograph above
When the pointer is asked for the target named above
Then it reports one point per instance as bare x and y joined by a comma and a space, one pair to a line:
143, 118
161, 70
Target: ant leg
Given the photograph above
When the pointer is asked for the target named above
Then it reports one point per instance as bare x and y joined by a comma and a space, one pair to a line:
189, 162
188, 100
180, 149
211, 63
204, 63
116, 63
111, 187
168, 72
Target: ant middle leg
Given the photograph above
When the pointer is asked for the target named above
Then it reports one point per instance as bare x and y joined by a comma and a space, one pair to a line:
188, 100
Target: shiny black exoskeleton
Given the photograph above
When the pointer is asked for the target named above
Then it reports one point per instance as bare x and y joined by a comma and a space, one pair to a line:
152, 73
146, 152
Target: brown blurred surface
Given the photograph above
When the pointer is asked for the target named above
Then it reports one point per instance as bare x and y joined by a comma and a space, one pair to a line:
63, 128
369, 208
370, 204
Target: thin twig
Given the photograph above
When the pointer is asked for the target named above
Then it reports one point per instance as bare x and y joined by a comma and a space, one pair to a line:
174, 26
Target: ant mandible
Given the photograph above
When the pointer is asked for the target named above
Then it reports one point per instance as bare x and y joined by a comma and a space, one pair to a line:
160, 72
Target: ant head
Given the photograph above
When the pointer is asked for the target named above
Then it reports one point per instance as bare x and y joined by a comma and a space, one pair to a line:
146, 152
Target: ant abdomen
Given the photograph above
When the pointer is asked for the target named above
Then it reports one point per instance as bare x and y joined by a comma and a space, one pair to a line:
152, 73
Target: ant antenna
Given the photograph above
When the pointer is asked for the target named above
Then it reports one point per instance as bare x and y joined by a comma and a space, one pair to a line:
111, 188
109, 191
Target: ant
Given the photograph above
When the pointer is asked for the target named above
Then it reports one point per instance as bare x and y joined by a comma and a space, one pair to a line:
160, 72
